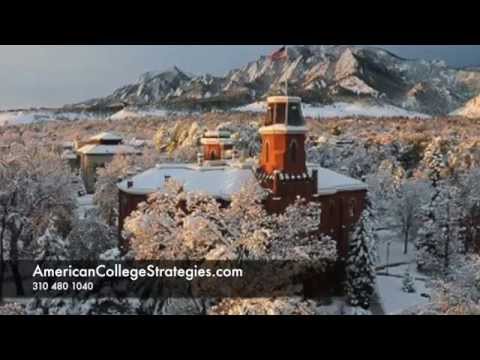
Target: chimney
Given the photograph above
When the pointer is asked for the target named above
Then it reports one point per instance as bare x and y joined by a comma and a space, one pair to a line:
315, 180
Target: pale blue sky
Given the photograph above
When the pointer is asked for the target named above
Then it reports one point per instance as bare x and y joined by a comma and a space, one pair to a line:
38, 75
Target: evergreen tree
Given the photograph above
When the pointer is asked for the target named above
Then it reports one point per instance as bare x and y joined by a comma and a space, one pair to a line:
436, 239
360, 269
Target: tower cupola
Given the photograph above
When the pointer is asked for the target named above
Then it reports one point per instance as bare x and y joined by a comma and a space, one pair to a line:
217, 145
283, 136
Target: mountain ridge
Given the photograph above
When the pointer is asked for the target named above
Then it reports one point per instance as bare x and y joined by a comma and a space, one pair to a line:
320, 74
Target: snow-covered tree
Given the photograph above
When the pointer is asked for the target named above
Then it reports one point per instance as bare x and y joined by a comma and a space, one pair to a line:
83, 306
245, 135
174, 224
89, 239
360, 266
121, 166
178, 224
36, 188
50, 246
264, 306
469, 199
436, 239
296, 235
11, 309
457, 294
406, 209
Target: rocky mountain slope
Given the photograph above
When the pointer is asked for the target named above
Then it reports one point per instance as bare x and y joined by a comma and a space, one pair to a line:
321, 74
470, 110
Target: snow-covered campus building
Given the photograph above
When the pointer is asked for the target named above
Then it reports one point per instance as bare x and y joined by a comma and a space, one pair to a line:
95, 152
282, 170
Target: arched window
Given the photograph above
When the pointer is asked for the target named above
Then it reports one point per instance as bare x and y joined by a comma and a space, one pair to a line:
293, 151
267, 151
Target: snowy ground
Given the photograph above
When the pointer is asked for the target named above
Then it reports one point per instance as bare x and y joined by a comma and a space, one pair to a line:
394, 300
341, 109
134, 113
29, 117
389, 280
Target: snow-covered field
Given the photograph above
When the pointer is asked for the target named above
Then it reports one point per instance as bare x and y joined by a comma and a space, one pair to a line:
334, 110
394, 299
341, 109
29, 117
127, 113
142, 113
389, 280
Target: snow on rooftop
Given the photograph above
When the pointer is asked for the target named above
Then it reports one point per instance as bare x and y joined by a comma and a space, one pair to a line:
69, 155
94, 149
106, 136
217, 133
330, 182
217, 181
284, 99
224, 180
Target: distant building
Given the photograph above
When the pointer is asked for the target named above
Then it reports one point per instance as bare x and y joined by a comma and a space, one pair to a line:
282, 170
96, 152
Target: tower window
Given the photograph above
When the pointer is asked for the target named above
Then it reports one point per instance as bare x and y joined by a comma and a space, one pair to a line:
267, 151
295, 117
270, 115
280, 113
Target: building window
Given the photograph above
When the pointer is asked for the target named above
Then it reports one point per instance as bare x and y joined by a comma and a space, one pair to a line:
270, 115
295, 117
280, 113
267, 151
293, 151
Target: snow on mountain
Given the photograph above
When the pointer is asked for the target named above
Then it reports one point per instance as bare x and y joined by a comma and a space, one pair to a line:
320, 74
342, 110
471, 109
